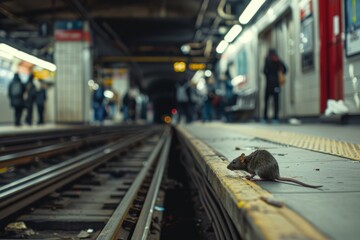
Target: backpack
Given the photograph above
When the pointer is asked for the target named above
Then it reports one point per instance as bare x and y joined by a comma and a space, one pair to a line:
16, 89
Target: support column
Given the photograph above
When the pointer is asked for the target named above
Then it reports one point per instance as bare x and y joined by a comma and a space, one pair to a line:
74, 70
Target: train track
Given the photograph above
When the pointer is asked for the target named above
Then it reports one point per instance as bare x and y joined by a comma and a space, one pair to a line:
105, 192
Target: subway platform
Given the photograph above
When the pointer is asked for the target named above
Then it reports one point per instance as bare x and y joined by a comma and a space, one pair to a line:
321, 154
327, 155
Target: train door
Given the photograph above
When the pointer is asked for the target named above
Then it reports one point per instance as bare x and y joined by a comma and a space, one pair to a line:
283, 40
331, 55
278, 37
263, 48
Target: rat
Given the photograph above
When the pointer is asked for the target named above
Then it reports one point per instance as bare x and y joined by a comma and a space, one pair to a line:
263, 164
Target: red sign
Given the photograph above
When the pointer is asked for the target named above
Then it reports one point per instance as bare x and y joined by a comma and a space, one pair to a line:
71, 35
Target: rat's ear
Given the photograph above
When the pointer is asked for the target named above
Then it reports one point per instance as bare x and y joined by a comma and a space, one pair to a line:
242, 157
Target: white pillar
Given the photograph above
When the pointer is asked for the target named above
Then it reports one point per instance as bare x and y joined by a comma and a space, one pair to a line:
74, 70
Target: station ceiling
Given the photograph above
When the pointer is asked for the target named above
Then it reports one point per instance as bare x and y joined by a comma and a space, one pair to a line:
126, 30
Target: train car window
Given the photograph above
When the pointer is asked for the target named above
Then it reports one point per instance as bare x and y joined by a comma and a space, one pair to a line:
352, 27
307, 43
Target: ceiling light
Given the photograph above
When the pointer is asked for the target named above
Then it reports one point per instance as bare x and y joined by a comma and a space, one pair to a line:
6, 55
109, 94
222, 46
27, 57
185, 48
250, 11
208, 73
233, 33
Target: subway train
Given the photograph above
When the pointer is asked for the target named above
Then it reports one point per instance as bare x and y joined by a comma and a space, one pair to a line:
319, 41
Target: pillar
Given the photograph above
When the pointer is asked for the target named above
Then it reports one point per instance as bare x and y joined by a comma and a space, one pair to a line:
74, 70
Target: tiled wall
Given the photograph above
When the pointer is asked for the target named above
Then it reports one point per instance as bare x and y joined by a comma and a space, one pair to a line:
72, 95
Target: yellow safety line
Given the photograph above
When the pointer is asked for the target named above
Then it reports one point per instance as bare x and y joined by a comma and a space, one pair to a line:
314, 143
253, 217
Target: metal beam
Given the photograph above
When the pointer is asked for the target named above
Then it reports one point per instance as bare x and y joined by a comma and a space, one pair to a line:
158, 59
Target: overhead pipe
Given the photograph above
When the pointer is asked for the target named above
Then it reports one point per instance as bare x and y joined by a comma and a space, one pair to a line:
198, 24
222, 13
201, 14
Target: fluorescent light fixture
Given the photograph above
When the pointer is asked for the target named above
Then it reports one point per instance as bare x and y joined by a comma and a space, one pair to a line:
208, 73
233, 33
185, 48
91, 83
250, 11
108, 94
6, 55
222, 46
95, 86
27, 57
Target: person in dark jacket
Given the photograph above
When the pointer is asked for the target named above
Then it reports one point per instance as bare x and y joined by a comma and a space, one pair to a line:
16, 95
183, 98
273, 65
40, 102
98, 104
30, 97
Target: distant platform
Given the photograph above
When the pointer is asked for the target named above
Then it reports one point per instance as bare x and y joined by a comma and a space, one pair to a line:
11, 129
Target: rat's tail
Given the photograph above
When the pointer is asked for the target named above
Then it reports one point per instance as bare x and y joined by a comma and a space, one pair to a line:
284, 179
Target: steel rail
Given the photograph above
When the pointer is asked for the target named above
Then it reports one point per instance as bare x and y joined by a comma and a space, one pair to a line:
43, 151
143, 224
37, 143
28, 155
41, 135
113, 226
73, 162
21, 193
20, 138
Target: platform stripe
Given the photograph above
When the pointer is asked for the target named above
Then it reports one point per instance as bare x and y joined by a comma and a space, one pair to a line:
242, 199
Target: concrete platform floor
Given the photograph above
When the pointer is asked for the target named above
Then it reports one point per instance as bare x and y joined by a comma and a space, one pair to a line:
333, 209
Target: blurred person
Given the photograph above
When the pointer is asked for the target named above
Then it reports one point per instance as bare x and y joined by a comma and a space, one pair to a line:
273, 65
40, 102
132, 105
128, 107
125, 107
113, 102
183, 98
98, 104
209, 101
29, 99
16, 95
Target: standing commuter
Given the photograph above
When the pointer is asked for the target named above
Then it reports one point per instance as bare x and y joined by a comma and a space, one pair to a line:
125, 107
183, 98
132, 104
30, 97
40, 102
16, 95
98, 104
273, 65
